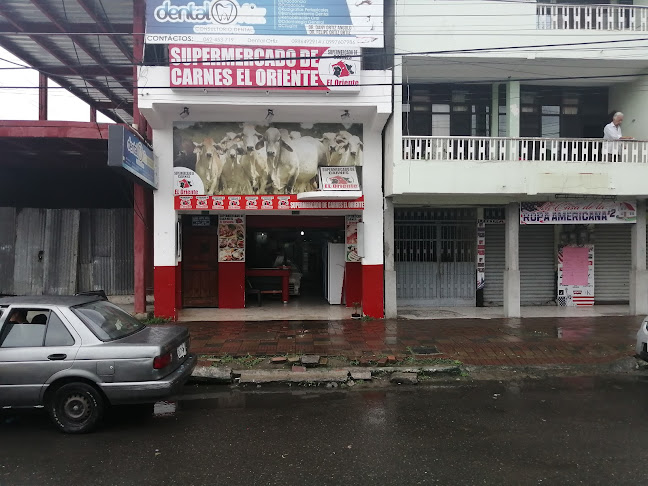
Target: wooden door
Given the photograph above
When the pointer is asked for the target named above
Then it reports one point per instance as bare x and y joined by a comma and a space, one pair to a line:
200, 268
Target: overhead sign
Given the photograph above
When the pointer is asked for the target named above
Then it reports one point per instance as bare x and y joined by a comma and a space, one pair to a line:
579, 212
288, 202
292, 22
339, 179
265, 67
126, 151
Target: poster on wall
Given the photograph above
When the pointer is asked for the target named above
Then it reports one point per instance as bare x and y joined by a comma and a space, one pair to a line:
220, 158
351, 238
265, 67
579, 212
576, 276
312, 22
261, 203
339, 179
481, 254
231, 238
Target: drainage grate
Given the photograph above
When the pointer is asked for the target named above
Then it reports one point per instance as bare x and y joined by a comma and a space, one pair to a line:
425, 350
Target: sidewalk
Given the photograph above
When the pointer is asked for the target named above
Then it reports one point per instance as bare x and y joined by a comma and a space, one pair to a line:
512, 342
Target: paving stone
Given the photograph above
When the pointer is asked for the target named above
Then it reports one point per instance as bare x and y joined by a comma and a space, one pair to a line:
404, 378
365, 362
298, 369
285, 376
279, 360
294, 359
310, 360
391, 359
382, 362
361, 375
323, 361
213, 374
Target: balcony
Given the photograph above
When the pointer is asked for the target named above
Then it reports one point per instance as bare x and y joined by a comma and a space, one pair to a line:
505, 167
592, 17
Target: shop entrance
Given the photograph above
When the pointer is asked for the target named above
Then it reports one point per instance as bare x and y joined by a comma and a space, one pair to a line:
200, 261
312, 248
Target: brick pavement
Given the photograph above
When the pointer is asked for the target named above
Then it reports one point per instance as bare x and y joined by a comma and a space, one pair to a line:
529, 341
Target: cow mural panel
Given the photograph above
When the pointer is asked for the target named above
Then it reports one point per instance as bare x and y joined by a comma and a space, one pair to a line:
246, 158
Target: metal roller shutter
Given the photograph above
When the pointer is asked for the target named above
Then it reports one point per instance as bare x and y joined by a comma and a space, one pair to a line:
494, 286
537, 274
537, 265
612, 260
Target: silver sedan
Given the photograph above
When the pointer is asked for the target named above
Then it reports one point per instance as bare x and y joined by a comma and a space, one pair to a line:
78, 355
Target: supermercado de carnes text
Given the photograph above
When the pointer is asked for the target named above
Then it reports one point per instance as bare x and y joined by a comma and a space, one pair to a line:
243, 56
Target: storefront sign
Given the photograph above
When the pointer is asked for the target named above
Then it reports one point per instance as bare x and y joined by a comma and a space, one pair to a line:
481, 254
602, 212
261, 203
227, 158
265, 67
576, 276
200, 221
293, 22
351, 240
339, 179
127, 152
231, 238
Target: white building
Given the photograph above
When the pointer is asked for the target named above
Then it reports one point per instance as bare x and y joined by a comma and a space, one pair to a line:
501, 106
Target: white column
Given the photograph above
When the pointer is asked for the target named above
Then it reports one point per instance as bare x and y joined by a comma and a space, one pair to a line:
512, 263
513, 108
164, 215
638, 272
391, 307
494, 119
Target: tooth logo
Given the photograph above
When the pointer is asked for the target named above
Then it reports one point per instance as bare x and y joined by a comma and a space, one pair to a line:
224, 11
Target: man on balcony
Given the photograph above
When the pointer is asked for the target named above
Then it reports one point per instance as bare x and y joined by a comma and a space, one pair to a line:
611, 134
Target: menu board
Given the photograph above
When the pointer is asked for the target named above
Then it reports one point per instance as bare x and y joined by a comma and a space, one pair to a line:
351, 238
231, 238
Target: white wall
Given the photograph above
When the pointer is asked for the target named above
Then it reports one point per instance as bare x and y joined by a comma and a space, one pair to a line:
519, 178
449, 25
373, 194
164, 215
632, 100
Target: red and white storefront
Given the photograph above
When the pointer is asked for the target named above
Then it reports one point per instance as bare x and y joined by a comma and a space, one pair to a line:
214, 114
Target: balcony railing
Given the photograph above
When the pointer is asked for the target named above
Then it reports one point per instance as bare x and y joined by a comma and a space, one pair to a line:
592, 17
492, 149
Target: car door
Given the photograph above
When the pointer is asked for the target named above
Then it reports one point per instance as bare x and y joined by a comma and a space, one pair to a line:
31, 352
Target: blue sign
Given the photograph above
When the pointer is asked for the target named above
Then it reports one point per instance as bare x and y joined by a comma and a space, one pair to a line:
126, 151
329, 23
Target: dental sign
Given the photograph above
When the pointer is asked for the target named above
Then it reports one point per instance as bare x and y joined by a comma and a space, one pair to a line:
321, 23
288, 68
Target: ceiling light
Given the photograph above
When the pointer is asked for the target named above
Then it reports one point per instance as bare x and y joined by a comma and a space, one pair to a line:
184, 113
346, 115
302, 233
269, 116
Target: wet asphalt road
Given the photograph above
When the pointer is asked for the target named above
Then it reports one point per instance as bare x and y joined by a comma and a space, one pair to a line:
570, 431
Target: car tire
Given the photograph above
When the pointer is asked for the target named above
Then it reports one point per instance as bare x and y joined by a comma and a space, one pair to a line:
76, 408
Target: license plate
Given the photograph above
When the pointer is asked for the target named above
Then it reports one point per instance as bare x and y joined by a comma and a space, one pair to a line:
182, 350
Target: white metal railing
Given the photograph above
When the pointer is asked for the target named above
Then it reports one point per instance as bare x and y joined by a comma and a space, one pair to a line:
483, 149
592, 17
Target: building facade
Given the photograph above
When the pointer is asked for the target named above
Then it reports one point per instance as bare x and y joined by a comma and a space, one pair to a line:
499, 188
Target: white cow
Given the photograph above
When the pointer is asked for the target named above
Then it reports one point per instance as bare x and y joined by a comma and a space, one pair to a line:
232, 177
254, 162
208, 161
353, 152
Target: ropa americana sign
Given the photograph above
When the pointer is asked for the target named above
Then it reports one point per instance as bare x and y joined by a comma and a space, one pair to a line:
265, 67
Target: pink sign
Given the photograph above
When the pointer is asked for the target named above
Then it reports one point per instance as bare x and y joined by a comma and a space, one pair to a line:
575, 265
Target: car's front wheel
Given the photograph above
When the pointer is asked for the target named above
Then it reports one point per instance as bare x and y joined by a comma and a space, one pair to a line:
76, 408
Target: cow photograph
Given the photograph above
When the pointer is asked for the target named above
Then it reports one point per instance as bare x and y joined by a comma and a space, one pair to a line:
248, 158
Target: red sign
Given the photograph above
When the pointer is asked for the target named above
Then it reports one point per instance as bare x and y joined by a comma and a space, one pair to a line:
288, 202
265, 67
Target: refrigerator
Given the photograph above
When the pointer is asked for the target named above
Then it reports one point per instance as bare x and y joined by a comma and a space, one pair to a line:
334, 265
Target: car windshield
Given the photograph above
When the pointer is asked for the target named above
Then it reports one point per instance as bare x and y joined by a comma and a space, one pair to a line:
107, 321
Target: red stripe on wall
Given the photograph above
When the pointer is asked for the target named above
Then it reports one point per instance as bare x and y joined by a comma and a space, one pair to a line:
373, 292
164, 290
231, 285
353, 283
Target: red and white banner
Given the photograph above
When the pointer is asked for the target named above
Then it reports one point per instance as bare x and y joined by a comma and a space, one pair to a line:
288, 202
265, 67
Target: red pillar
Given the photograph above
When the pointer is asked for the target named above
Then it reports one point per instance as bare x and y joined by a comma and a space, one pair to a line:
166, 292
42, 96
373, 291
139, 232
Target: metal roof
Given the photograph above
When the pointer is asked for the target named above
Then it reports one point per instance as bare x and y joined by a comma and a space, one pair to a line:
84, 45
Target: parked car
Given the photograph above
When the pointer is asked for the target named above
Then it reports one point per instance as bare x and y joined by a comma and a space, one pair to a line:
78, 355
642, 340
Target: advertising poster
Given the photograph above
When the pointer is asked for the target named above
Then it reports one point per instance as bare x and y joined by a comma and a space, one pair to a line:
339, 179
351, 238
481, 254
265, 67
214, 158
261, 203
278, 22
231, 238
581, 212
576, 276
127, 152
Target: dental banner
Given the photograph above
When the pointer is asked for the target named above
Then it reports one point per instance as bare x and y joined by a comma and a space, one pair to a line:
265, 67
274, 22
578, 212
